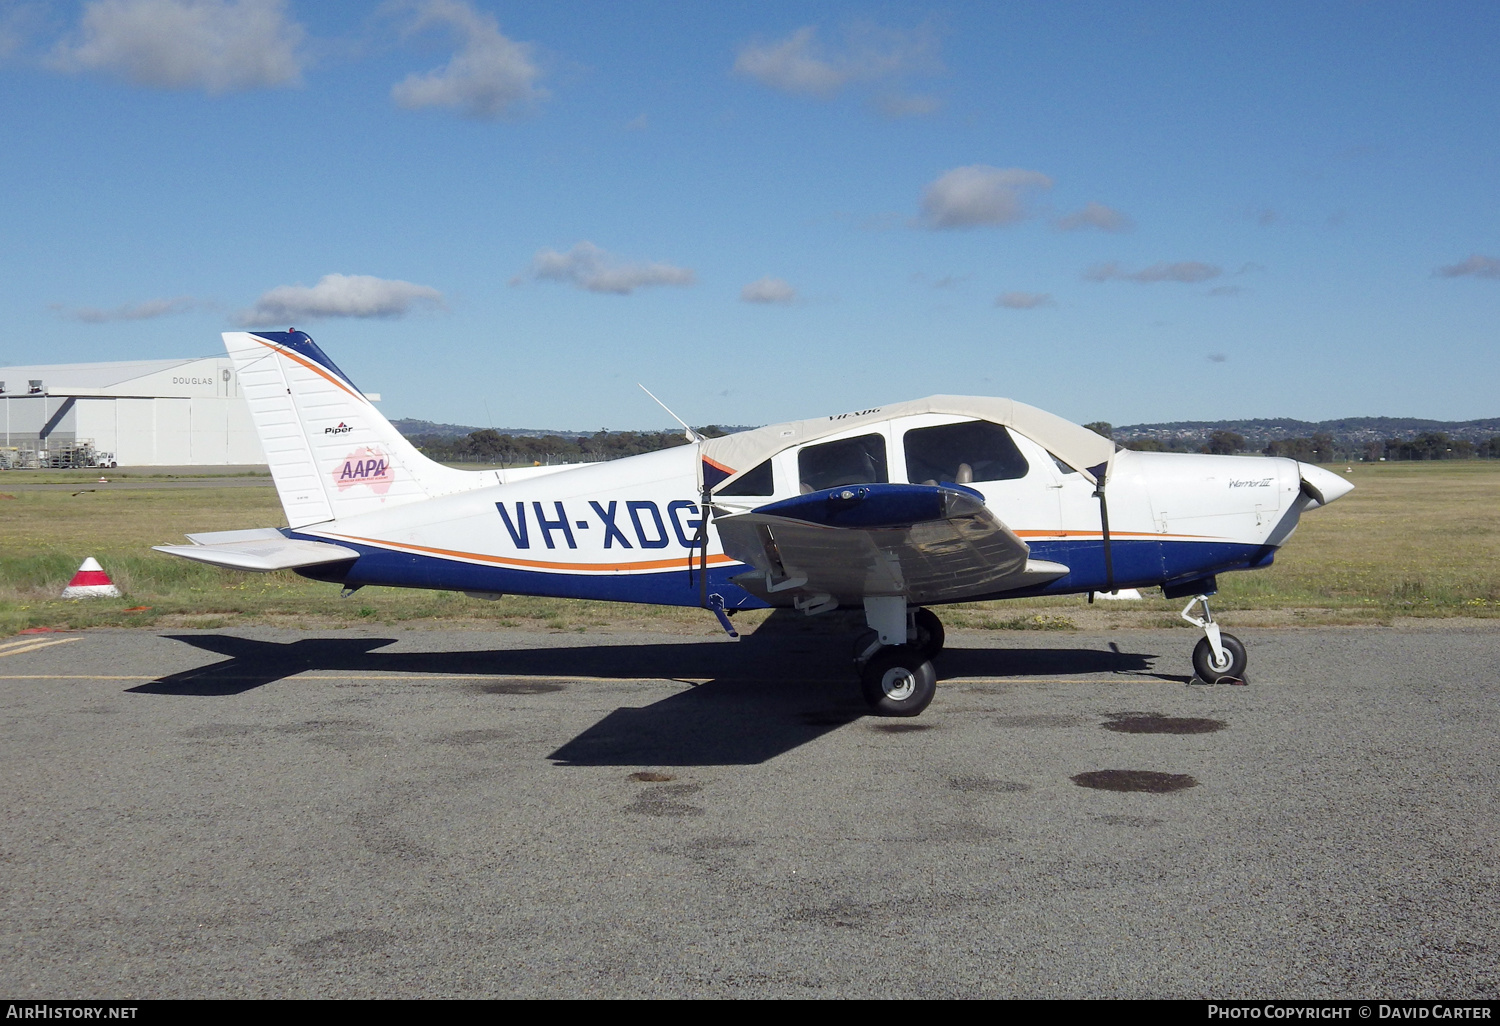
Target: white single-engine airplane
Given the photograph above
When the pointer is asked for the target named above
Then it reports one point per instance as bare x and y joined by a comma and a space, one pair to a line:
891, 509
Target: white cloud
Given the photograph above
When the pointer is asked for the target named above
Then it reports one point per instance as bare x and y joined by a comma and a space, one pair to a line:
491, 76
1024, 300
793, 65
151, 308
979, 194
340, 295
769, 290
1476, 265
219, 46
588, 267
1095, 215
1187, 271
800, 64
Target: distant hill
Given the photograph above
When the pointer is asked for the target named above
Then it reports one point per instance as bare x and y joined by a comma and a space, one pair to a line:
427, 429
1353, 437
1348, 431
412, 428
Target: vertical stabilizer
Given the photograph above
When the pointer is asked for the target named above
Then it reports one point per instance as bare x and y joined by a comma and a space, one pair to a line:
331, 453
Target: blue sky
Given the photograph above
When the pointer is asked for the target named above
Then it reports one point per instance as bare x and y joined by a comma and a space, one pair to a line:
510, 213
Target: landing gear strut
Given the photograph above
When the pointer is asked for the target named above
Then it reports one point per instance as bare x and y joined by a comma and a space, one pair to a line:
1218, 656
895, 656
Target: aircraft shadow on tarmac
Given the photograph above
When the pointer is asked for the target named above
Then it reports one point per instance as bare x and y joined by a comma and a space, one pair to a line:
771, 692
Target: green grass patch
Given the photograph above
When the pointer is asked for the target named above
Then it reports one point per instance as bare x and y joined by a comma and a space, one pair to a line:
1412, 539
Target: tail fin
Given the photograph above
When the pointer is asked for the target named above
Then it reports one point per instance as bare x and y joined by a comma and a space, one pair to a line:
331, 453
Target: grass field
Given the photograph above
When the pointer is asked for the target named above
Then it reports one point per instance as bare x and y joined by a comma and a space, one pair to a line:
1413, 539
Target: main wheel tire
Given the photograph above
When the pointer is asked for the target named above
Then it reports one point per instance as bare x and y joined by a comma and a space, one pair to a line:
930, 633
1210, 670
899, 681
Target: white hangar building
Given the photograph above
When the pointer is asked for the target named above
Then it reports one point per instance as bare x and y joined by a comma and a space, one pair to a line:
141, 413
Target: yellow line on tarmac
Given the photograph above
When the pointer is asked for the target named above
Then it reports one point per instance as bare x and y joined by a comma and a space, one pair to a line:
31, 645
1081, 679
518, 678
66, 676
29, 639
206, 671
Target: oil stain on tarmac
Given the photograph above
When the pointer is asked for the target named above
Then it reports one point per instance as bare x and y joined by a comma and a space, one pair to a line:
519, 688
1135, 780
1160, 723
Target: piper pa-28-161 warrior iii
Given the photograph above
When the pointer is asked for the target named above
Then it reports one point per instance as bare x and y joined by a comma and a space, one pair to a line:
889, 510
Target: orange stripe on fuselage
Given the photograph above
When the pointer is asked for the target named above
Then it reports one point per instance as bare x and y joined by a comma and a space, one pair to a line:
1092, 535
682, 562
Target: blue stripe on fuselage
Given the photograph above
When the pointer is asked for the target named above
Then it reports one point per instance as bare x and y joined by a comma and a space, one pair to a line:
396, 569
1141, 563
1138, 563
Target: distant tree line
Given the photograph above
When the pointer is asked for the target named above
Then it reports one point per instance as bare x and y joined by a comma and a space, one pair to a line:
1325, 448
490, 446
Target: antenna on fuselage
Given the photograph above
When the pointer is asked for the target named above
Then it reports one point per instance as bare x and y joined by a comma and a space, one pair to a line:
692, 436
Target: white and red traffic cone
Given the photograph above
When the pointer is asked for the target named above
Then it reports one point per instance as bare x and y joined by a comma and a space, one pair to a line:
91, 582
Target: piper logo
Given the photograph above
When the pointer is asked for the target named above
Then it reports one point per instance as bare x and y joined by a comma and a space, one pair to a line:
365, 466
342, 429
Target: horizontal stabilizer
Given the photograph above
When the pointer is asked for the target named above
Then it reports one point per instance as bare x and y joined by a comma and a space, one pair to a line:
260, 550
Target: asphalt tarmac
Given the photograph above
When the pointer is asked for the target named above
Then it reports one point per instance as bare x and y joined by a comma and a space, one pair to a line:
271, 813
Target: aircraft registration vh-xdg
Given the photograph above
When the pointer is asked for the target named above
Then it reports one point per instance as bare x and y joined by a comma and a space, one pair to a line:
890, 510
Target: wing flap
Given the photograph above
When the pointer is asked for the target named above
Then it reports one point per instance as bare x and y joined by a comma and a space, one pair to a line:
930, 543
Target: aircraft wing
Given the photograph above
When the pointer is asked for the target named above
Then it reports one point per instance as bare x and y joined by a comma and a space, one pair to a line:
260, 550
929, 543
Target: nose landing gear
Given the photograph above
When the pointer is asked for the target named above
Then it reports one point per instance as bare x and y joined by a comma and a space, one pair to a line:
1218, 656
898, 679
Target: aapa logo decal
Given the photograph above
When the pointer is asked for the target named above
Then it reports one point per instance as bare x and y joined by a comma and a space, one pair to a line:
365, 467
342, 429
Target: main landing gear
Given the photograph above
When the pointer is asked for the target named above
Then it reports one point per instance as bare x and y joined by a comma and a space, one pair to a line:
1218, 656
895, 656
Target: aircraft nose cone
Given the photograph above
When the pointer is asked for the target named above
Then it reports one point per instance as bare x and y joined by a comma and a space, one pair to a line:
1323, 486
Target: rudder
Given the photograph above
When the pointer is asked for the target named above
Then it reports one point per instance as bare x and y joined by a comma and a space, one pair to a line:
331, 453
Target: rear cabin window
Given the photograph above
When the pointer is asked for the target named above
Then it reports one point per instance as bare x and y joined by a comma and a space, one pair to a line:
752, 482
848, 461
974, 450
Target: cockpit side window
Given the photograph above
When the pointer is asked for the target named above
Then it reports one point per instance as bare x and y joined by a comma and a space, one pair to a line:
752, 482
848, 461
974, 450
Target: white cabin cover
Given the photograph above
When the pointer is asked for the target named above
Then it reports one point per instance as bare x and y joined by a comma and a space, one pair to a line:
1076, 446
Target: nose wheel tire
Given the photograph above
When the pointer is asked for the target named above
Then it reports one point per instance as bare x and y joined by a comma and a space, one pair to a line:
899, 681
1209, 669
